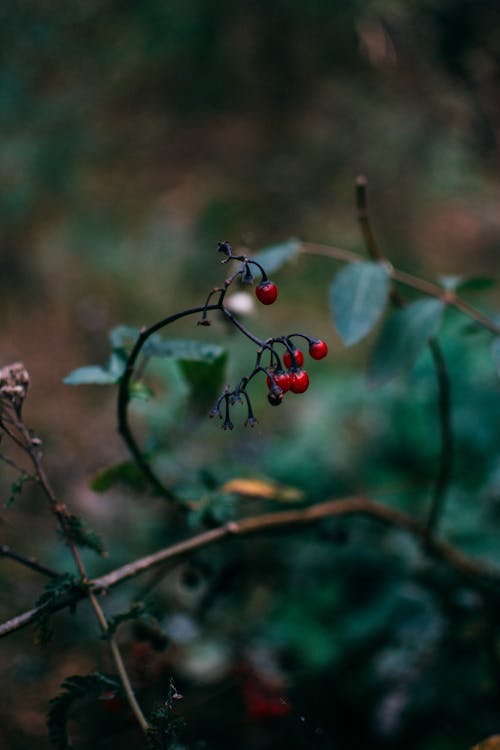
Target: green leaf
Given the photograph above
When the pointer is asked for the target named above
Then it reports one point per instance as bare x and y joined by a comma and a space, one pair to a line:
205, 379
476, 284
403, 338
450, 283
140, 391
16, 488
185, 349
90, 375
495, 350
74, 688
124, 473
117, 362
273, 257
123, 337
83, 536
358, 296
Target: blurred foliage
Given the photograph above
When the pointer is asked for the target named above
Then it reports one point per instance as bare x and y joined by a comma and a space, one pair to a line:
134, 136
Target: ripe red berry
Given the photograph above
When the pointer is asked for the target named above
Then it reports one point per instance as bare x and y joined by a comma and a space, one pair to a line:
299, 358
318, 349
266, 292
282, 379
300, 381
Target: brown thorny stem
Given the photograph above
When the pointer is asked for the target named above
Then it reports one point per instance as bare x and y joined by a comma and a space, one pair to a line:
476, 573
31, 446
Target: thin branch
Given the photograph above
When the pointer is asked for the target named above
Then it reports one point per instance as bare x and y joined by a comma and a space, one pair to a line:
28, 562
446, 436
119, 663
409, 280
443, 382
476, 573
371, 243
59, 509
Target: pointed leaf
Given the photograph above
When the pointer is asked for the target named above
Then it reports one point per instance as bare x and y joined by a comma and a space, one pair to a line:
358, 296
126, 473
185, 349
123, 336
403, 338
476, 284
273, 257
90, 375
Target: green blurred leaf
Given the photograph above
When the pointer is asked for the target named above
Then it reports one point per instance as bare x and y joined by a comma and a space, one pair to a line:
495, 350
450, 283
140, 391
185, 349
124, 473
476, 284
123, 336
273, 257
358, 296
205, 379
403, 338
90, 375
117, 362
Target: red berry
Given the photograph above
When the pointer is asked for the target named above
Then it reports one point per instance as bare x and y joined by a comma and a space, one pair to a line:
299, 358
266, 292
318, 349
300, 381
282, 379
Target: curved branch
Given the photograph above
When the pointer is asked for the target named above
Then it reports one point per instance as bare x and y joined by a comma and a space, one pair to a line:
476, 573
124, 396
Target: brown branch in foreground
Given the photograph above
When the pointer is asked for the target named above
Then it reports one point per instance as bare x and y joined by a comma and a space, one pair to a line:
476, 573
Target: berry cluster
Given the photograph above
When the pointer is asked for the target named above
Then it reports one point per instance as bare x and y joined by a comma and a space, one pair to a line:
282, 374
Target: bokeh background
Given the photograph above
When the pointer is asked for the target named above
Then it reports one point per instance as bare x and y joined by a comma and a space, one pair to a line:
134, 137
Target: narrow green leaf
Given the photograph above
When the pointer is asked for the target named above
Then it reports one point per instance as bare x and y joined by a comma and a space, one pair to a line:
273, 257
185, 349
358, 296
403, 338
90, 375
476, 284
495, 350
126, 473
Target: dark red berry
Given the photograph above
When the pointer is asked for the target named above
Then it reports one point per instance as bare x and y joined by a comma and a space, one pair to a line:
300, 381
266, 292
318, 349
299, 358
282, 379
274, 398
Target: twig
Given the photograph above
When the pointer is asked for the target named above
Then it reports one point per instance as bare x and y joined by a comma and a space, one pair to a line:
28, 562
409, 280
31, 447
444, 400
446, 437
476, 573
